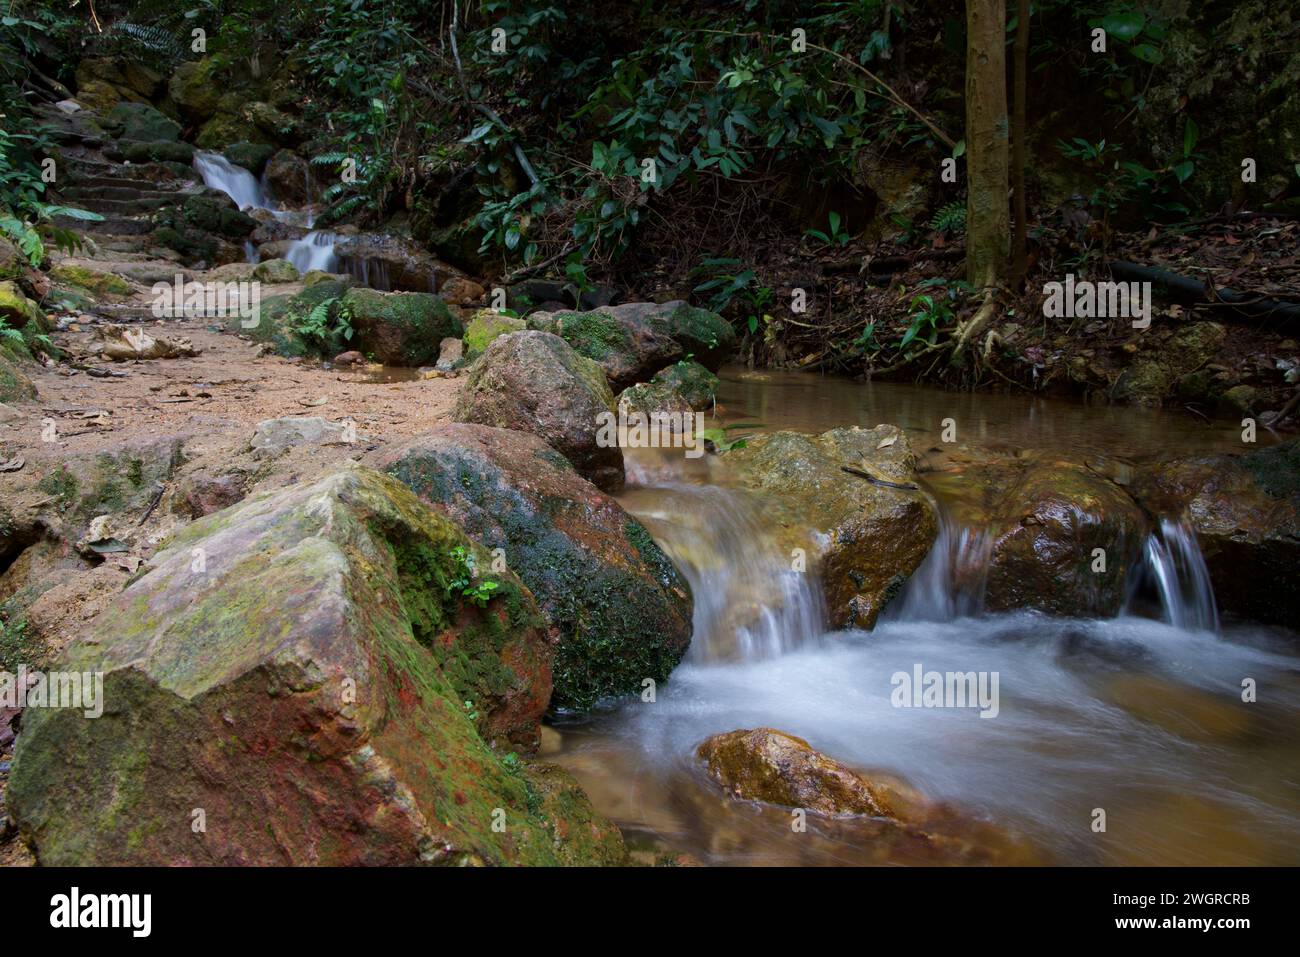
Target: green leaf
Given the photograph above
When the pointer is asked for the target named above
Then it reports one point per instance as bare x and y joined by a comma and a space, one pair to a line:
1126, 26
1184, 170
1145, 51
1191, 133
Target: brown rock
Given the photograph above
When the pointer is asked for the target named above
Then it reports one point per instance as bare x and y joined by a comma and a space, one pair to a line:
778, 768
459, 291
534, 382
876, 534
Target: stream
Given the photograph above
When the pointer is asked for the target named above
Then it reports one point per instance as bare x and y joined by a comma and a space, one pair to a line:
1139, 715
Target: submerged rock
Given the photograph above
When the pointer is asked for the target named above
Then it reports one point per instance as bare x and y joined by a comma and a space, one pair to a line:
1245, 510
310, 694
635, 340
875, 533
620, 608
778, 768
533, 382
775, 768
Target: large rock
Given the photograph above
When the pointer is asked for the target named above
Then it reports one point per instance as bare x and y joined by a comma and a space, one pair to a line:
682, 387
19, 312
141, 122
392, 262
195, 90
15, 385
283, 319
635, 340
1157, 369
875, 534
399, 328
289, 177
1046, 522
1245, 511
217, 213
485, 327
533, 382
309, 695
622, 611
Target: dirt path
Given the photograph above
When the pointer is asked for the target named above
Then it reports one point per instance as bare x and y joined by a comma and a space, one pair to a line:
217, 396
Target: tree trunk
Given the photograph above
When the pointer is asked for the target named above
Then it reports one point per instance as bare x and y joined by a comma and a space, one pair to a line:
988, 218
1020, 263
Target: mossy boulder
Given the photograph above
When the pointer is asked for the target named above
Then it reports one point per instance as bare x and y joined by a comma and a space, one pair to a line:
1158, 368
251, 156
218, 215
621, 609
874, 532
1245, 510
399, 328
195, 89
635, 340
310, 690
276, 271
289, 177
19, 312
486, 326
12, 260
15, 386
142, 123
158, 151
283, 318
534, 382
684, 386
92, 280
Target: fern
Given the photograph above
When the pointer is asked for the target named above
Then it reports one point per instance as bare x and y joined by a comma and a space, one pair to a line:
144, 41
950, 219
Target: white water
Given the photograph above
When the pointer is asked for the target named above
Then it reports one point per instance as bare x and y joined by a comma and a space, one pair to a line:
235, 181
316, 250
1173, 563
1141, 717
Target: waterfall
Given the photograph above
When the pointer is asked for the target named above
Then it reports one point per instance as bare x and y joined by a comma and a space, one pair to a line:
235, 181
750, 601
1174, 568
314, 251
949, 584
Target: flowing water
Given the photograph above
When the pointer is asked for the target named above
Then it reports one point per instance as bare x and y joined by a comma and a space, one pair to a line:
1139, 717
315, 250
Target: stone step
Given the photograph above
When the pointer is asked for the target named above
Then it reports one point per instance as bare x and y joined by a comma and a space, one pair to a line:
82, 191
110, 225
139, 183
123, 207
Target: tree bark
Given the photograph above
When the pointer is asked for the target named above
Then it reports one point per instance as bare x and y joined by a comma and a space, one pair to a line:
1020, 263
988, 217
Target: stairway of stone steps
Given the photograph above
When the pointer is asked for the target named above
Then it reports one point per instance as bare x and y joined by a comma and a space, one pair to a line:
127, 195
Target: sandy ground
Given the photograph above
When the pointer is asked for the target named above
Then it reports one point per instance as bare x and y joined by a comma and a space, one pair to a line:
215, 398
